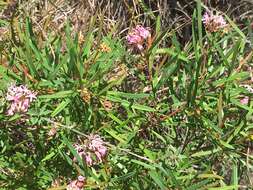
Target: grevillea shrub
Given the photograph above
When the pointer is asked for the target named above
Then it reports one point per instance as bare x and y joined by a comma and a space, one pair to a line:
126, 110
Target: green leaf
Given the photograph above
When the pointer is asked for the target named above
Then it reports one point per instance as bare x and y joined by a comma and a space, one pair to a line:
115, 135
60, 107
234, 176
212, 176
226, 145
158, 25
236, 28
157, 178
173, 53
147, 166
62, 94
72, 150
143, 108
128, 95
233, 77
220, 110
199, 13
132, 105
233, 187
205, 153
48, 157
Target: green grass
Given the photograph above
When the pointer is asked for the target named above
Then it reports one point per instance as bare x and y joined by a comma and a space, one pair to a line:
171, 116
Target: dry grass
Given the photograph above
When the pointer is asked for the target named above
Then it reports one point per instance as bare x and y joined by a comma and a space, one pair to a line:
49, 16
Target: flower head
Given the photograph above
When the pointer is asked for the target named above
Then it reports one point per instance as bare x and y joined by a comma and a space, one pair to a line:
104, 48
244, 100
76, 184
94, 147
88, 159
137, 36
213, 23
97, 146
20, 98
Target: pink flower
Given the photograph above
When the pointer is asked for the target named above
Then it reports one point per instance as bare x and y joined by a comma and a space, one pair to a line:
143, 32
80, 151
88, 159
134, 39
78, 148
137, 36
76, 184
98, 156
97, 146
245, 100
206, 18
93, 147
95, 142
20, 98
102, 150
212, 22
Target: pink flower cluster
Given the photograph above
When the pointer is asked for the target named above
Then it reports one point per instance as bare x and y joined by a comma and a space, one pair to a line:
213, 23
76, 184
94, 147
244, 100
137, 36
20, 98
